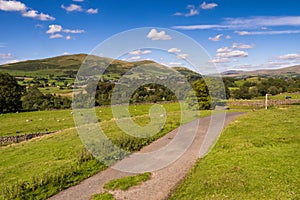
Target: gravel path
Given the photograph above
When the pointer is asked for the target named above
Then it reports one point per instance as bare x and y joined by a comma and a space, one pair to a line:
162, 180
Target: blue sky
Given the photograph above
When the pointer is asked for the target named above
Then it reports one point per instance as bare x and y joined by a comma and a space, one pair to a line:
237, 34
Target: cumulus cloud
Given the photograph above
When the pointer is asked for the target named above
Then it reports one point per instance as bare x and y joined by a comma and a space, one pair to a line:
228, 37
292, 56
139, 52
242, 46
57, 35
53, 28
227, 54
17, 6
216, 38
78, 0
232, 54
36, 15
92, 11
192, 11
206, 6
220, 60
12, 6
56, 30
78, 8
182, 56
155, 35
134, 58
72, 8
174, 50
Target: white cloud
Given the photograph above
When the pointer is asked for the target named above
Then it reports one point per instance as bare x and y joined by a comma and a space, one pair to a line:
206, 6
56, 30
250, 23
192, 11
264, 21
201, 27
174, 50
182, 56
220, 60
292, 56
5, 56
53, 28
228, 37
78, 0
155, 35
227, 55
224, 50
34, 14
134, 58
72, 8
232, 54
78, 8
216, 38
174, 64
66, 53
24, 10
57, 35
12, 6
242, 46
92, 11
73, 31
139, 52
242, 33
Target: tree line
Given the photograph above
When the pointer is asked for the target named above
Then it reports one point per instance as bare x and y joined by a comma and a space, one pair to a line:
14, 97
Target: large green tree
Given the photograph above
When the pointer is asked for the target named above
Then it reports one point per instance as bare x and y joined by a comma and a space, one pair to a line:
10, 93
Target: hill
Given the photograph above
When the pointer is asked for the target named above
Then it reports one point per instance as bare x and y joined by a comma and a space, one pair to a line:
68, 65
286, 71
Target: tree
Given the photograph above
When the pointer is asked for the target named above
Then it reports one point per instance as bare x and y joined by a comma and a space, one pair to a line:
10, 93
202, 94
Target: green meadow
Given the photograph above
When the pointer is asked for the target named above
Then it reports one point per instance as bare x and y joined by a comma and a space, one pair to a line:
256, 157
44, 166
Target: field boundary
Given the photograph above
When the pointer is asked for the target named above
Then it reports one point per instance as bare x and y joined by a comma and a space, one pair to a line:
5, 140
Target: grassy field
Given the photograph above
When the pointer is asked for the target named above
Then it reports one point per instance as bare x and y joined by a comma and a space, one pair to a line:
256, 157
46, 165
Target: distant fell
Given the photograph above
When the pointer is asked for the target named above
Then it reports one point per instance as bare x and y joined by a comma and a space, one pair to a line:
286, 71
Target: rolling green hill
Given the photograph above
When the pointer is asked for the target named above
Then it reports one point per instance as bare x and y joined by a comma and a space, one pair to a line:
68, 65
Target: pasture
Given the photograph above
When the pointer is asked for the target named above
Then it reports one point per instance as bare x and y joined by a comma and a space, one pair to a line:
256, 157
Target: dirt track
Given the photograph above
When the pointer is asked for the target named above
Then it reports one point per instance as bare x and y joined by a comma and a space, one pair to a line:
162, 180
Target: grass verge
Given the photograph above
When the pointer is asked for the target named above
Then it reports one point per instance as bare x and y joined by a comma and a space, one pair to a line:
126, 182
256, 157
103, 196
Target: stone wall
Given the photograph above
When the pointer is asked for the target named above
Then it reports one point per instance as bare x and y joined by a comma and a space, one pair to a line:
261, 103
4, 140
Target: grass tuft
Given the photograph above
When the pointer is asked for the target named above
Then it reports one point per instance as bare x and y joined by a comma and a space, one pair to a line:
127, 182
103, 196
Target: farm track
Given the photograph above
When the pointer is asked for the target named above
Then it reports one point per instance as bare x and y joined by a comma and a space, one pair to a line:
163, 180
